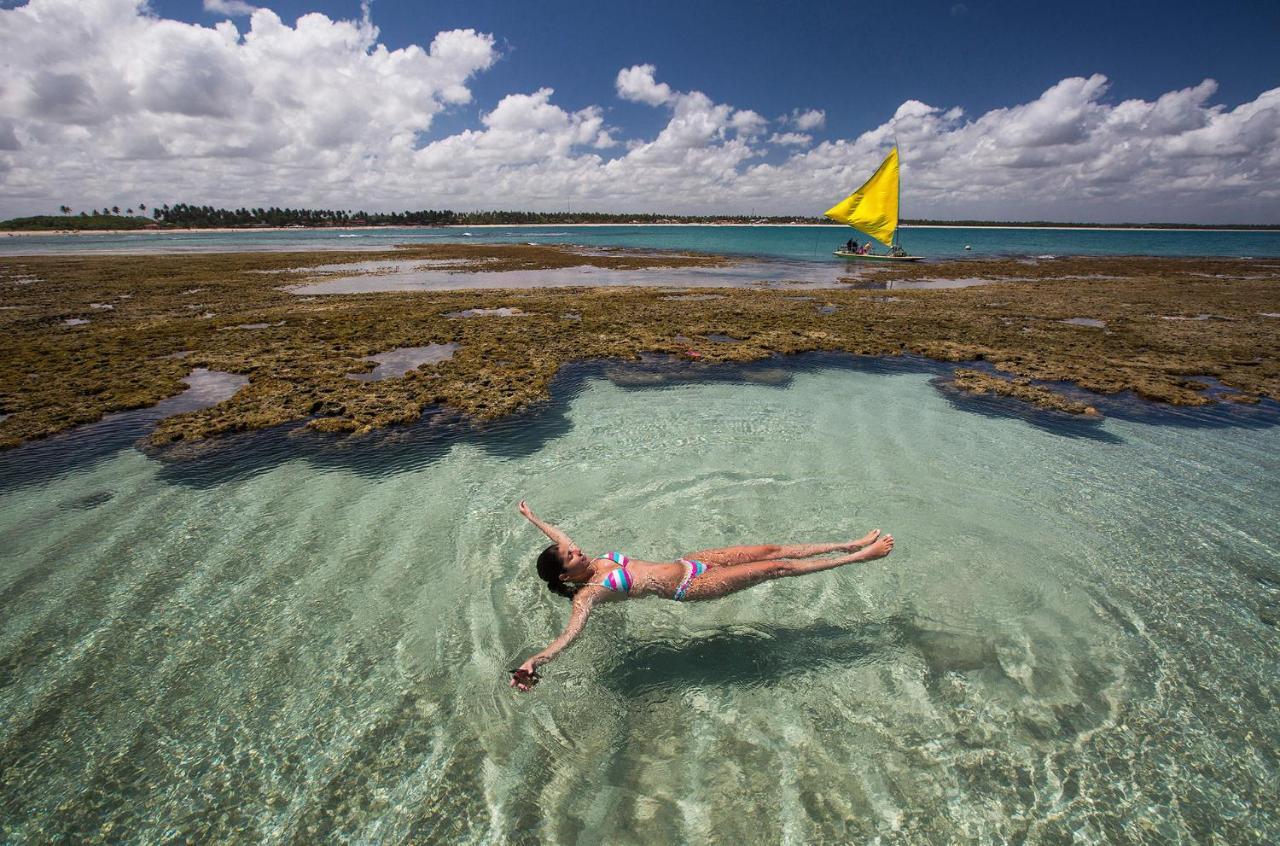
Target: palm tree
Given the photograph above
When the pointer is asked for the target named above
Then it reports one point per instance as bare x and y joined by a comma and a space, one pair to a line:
115, 210
65, 209
142, 207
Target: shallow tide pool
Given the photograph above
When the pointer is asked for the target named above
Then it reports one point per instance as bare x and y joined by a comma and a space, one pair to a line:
294, 638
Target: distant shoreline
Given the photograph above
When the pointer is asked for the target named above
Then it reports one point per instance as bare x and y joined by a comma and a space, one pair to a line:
229, 230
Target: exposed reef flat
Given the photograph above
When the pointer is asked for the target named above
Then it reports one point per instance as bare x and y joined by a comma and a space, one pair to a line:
977, 382
168, 312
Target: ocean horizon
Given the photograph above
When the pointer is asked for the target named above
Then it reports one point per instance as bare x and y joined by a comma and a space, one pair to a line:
795, 242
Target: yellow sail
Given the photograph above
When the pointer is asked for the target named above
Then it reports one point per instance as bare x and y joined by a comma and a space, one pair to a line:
873, 208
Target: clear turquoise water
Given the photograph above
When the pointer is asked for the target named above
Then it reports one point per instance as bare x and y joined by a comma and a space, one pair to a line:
803, 243
304, 639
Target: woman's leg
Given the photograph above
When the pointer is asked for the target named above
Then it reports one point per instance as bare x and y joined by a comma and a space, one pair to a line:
728, 579
733, 555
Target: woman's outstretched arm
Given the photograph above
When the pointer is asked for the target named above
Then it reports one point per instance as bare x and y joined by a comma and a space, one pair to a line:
549, 530
583, 601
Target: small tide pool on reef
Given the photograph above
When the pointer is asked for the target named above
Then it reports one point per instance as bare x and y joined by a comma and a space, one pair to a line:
286, 636
397, 362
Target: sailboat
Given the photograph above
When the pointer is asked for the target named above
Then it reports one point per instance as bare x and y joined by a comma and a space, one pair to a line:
873, 209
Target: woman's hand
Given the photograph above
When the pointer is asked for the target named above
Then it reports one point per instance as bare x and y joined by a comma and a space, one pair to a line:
546, 528
524, 677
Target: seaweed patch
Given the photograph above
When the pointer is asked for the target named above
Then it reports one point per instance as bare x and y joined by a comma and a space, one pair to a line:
299, 353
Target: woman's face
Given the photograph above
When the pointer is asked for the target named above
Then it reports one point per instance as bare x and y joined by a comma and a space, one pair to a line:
576, 564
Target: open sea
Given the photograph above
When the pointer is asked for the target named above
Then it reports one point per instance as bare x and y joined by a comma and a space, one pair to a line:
797, 243
298, 638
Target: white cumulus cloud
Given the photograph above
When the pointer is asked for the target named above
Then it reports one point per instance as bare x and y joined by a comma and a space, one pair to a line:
748, 122
638, 85
106, 102
105, 98
808, 120
229, 7
1071, 155
791, 139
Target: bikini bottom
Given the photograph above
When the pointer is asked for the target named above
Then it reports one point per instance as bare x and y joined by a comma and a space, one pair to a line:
692, 571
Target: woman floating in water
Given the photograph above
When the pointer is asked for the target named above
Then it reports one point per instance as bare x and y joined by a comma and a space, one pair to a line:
709, 574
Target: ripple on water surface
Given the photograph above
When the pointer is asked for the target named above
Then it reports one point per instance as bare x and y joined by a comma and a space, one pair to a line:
1070, 642
80, 448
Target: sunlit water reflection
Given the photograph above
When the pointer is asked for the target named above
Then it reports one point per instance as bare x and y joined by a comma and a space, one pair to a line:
395, 275
297, 638
415, 275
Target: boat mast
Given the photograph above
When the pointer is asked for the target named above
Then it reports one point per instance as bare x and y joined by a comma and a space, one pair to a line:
899, 226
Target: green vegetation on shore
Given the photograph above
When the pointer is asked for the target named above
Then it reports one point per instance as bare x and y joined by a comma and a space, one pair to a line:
88, 335
184, 216
85, 222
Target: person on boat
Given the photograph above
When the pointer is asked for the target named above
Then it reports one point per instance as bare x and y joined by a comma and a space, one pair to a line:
864, 249
850, 245
588, 581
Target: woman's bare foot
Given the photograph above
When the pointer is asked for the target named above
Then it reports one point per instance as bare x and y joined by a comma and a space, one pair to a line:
879, 549
864, 541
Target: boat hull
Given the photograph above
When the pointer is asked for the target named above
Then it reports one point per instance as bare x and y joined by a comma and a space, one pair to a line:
872, 257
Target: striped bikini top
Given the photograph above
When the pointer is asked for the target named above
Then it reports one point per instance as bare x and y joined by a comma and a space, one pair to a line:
618, 579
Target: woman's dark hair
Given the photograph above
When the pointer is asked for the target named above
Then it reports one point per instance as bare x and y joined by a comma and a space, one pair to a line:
551, 568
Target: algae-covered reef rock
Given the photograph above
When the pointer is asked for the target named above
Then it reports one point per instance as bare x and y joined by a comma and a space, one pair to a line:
1154, 326
977, 382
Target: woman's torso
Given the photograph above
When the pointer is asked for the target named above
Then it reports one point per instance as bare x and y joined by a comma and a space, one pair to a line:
639, 578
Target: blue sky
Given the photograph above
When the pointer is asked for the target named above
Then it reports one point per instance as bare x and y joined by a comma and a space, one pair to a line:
844, 58
1005, 110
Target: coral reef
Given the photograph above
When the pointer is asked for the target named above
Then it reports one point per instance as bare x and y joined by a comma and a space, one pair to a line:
168, 310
